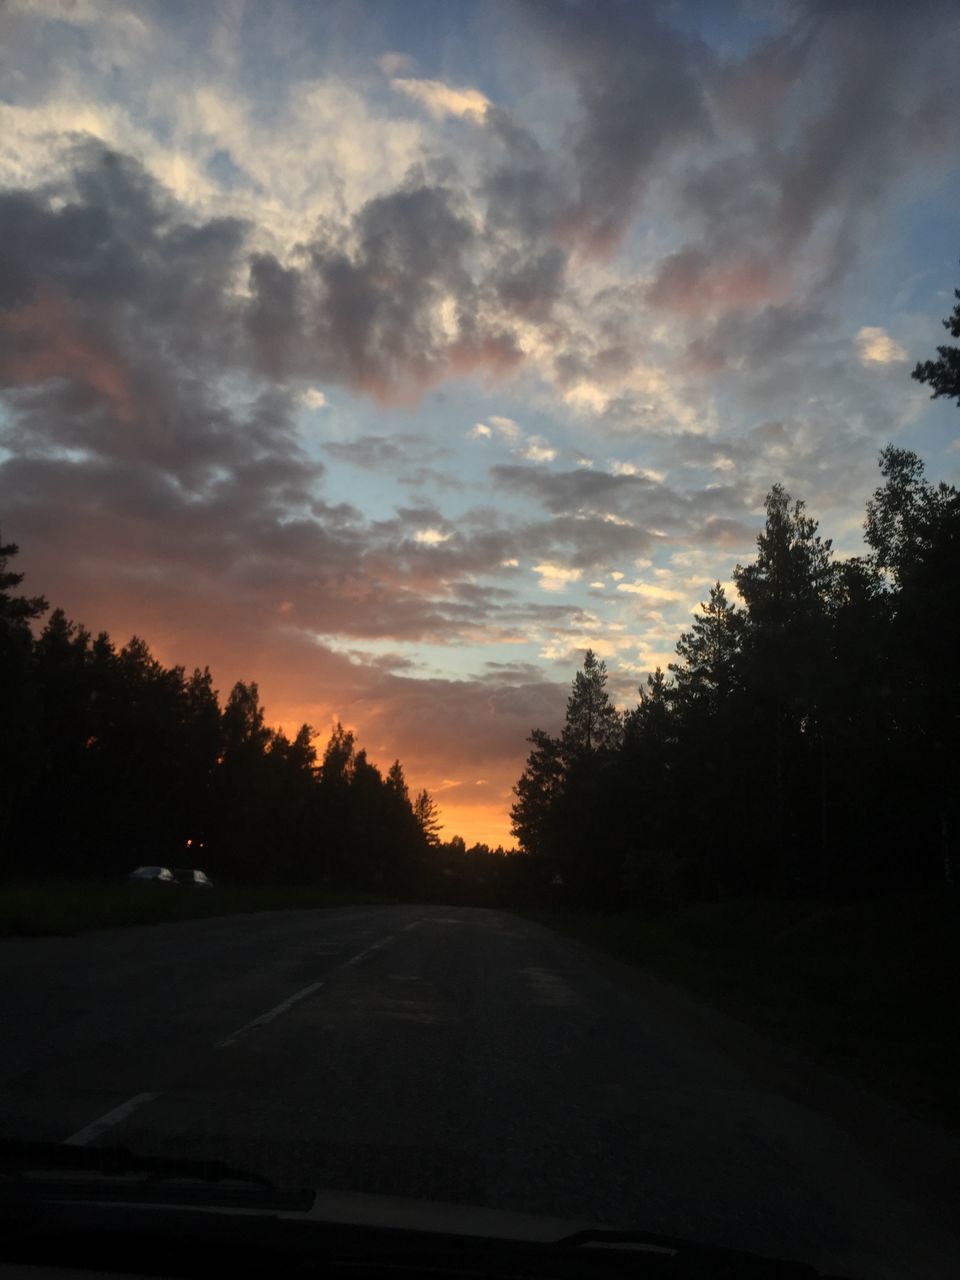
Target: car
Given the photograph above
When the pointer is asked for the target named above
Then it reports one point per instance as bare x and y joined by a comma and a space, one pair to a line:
192, 877
150, 876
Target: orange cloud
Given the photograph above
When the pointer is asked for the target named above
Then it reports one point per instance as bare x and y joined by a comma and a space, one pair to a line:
43, 340
691, 283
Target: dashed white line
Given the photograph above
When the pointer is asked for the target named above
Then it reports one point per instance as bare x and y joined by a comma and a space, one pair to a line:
392, 937
93, 1130
269, 1016
96, 1127
297, 996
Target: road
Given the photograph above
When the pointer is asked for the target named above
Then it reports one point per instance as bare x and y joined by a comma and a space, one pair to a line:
465, 1056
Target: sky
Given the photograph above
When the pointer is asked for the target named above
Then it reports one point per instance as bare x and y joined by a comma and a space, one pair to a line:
391, 353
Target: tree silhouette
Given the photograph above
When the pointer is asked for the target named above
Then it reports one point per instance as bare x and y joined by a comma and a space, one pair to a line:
538, 791
592, 722
19, 739
708, 652
806, 743
397, 782
108, 759
427, 815
943, 374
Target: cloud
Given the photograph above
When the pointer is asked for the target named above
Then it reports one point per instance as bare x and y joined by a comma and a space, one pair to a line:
532, 448
441, 99
875, 346
650, 591
620, 67
374, 315
379, 453
617, 468
536, 449
653, 238
507, 428
575, 492
431, 537
556, 577
391, 64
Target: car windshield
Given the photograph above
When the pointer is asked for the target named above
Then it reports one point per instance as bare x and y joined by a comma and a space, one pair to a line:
480, 514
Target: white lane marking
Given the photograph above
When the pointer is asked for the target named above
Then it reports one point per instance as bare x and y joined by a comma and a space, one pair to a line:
269, 1016
96, 1127
391, 937
549, 988
297, 996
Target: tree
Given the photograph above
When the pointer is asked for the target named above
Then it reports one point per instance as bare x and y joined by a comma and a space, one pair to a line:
787, 593
19, 736
338, 757
538, 790
943, 374
708, 652
788, 581
592, 723
16, 612
427, 814
907, 517
914, 530
397, 782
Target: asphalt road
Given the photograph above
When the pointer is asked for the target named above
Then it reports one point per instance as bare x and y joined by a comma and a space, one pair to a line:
462, 1056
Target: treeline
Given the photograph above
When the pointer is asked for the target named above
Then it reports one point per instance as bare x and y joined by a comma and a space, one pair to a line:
806, 741
108, 760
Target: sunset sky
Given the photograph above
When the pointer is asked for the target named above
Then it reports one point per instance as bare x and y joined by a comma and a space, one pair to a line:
392, 353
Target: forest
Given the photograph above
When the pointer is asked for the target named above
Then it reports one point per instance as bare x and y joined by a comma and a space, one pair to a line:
806, 741
803, 743
110, 760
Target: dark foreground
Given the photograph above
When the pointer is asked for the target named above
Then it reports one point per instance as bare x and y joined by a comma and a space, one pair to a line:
467, 1056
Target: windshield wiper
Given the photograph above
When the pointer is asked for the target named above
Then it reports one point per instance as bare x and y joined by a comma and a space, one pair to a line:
41, 1176
721, 1261
49, 1168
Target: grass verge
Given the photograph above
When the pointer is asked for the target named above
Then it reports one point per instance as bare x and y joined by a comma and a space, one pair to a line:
65, 908
867, 990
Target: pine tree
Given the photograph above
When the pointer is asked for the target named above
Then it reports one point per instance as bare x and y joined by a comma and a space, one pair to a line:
427, 814
537, 791
708, 652
943, 375
397, 782
16, 612
593, 723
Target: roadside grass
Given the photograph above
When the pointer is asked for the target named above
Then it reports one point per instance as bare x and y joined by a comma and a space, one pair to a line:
63, 908
869, 990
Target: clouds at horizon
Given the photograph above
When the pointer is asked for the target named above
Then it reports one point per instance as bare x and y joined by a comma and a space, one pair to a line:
392, 375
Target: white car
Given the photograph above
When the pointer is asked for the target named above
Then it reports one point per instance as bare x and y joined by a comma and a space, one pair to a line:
151, 876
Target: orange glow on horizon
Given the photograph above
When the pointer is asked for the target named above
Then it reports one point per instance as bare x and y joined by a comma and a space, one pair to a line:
477, 822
